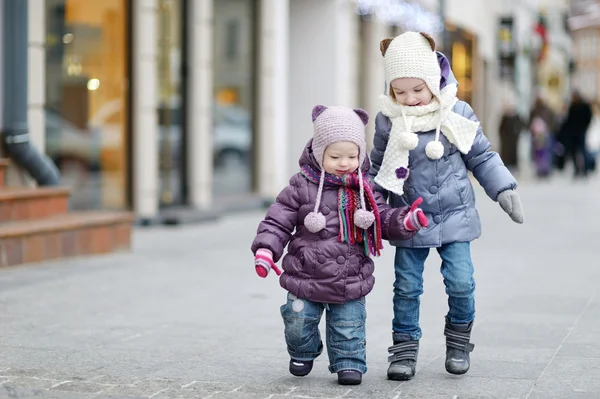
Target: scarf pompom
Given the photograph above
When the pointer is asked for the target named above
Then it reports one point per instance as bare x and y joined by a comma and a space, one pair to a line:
409, 140
434, 150
314, 222
363, 218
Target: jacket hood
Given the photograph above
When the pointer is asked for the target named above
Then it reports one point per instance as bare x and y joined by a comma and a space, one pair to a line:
307, 158
447, 74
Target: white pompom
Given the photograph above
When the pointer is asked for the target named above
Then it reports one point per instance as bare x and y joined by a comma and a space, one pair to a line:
409, 141
314, 222
363, 218
434, 150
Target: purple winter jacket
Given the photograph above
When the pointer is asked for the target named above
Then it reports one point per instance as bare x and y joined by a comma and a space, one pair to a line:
318, 267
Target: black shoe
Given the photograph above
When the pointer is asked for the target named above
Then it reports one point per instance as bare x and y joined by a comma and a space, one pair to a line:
458, 347
403, 359
349, 377
300, 368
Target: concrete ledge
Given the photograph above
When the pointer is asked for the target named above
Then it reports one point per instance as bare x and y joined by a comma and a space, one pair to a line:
184, 215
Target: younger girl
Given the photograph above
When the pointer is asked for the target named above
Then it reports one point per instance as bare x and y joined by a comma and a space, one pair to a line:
333, 222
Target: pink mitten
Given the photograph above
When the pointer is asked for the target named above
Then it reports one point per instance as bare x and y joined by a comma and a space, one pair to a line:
415, 219
263, 263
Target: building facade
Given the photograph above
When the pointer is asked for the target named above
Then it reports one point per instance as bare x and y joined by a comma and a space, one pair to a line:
585, 24
154, 105
204, 105
151, 105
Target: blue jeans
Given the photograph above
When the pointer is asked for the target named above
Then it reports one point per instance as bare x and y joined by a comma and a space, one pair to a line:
457, 270
345, 333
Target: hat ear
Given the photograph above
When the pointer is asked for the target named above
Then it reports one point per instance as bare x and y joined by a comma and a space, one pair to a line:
317, 110
364, 117
429, 39
384, 44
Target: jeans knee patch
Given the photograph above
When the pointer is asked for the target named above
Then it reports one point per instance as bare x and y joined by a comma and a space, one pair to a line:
348, 333
300, 332
461, 289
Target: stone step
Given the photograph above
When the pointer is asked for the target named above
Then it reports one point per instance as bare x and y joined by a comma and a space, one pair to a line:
27, 203
4, 162
62, 236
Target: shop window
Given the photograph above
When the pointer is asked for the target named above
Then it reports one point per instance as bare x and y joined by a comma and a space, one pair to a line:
170, 107
86, 108
460, 43
234, 96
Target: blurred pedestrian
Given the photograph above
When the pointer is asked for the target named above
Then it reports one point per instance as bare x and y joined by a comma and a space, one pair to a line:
574, 131
511, 126
543, 127
426, 141
334, 221
592, 141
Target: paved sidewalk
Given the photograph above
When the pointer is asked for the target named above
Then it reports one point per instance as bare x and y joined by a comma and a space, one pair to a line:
184, 316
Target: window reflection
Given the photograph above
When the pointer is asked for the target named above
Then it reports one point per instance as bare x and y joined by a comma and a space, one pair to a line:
234, 54
86, 99
170, 106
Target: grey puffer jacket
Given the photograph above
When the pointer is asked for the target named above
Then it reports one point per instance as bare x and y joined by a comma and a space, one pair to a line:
448, 197
317, 266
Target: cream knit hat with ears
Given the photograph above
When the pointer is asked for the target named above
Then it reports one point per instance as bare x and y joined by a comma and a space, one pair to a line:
332, 125
412, 55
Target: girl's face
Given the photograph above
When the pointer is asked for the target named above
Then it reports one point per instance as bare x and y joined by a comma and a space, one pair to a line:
411, 92
340, 158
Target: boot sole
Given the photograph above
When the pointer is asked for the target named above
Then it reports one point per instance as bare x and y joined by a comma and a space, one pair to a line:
349, 382
457, 372
399, 377
300, 374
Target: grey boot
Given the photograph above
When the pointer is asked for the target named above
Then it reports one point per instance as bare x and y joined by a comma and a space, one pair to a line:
458, 347
403, 358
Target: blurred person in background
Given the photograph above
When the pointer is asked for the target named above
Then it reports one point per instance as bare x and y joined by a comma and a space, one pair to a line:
511, 126
574, 131
334, 222
592, 141
543, 125
426, 141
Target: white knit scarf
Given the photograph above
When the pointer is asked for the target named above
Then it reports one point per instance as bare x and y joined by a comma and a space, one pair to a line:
407, 122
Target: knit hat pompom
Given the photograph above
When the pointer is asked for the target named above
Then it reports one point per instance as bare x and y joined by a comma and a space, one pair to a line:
314, 222
363, 218
409, 140
434, 150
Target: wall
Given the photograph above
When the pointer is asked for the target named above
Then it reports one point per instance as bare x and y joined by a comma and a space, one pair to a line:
322, 67
36, 73
481, 19
145, 96
199, 105
273, 138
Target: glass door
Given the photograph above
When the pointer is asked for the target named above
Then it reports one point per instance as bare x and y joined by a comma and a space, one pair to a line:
234, 96
170, 107
87, 101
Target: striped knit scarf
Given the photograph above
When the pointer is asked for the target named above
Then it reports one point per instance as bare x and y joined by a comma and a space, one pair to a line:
348, 203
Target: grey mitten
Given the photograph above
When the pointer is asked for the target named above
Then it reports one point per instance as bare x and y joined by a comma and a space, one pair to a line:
510, 202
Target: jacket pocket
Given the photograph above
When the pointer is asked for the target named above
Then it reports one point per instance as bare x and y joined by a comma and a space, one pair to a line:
458, 181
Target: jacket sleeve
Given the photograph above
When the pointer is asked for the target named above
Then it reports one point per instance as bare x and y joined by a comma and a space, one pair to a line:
275, 230
486, 165
380, 140
392, 220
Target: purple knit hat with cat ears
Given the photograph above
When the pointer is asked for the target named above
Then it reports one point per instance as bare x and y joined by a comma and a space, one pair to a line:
333, 125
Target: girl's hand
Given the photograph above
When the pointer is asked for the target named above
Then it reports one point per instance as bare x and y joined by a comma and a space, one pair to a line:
510, 202
263, 263
415, 219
